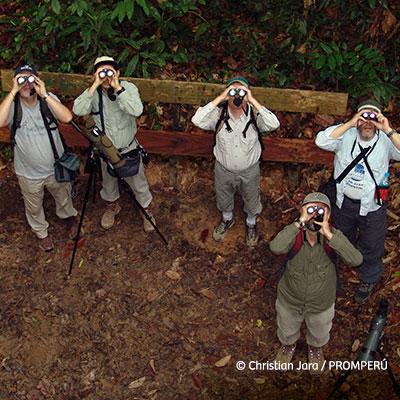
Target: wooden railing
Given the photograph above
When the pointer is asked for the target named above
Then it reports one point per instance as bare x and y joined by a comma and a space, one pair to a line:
197, 93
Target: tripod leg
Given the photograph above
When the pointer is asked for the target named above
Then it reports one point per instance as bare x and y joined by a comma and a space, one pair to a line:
396, 386
339, 383
132, 195
85, 200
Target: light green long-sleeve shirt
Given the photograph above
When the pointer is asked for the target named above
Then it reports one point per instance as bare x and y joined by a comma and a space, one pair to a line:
119, 115
308, 284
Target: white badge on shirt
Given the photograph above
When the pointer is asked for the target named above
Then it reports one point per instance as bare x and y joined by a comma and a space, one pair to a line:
355, 182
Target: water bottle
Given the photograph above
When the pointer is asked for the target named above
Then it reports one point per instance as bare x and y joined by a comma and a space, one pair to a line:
383, 188
385, 181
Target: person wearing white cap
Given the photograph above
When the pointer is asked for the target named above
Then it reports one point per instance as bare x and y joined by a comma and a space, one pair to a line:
308, 279
33, 154
237, 119
115, 105
360, 209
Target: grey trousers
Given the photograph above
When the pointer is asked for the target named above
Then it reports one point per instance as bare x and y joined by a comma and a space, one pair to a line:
138, 184
371, 230
318, 325
246, 182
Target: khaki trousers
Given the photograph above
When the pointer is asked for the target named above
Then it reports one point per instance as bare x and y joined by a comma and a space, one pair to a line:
318, 325
33, 192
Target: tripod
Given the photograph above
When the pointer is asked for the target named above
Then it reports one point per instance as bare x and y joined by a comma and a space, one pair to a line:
92, 166
373, 344
343, 378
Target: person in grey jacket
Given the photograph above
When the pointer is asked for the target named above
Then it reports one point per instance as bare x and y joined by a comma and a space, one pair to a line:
307, 284
121, 105
358, 211
237, 150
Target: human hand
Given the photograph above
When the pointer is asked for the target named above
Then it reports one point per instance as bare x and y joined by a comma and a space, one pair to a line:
325, 227
39, 86
222, 97
382, 123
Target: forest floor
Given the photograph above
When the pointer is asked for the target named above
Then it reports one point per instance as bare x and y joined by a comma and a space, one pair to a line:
141, 320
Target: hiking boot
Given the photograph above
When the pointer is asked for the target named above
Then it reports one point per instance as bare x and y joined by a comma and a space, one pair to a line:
363, 292
108, 218
251, 235
72, 225
220, 230
147, 226
46, 244
316, 360
284, 356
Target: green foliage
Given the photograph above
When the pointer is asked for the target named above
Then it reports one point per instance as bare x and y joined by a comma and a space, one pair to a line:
359, 71
328, 46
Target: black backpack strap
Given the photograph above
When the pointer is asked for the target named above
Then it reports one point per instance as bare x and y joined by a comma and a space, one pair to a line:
223, 117
17, 118
43, 106
100, 93
352, 165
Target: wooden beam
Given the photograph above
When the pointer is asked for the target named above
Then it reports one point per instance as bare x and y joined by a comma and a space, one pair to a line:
200, 145
198, 93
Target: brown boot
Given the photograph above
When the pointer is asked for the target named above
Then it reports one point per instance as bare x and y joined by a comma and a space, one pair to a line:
316, 360
46, 244
147, 226
284, 356
108, 218
72, 224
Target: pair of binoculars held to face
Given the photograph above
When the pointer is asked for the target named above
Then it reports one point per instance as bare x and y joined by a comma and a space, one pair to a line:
236, 91
319, 210
369, 115
25, 78
106, 72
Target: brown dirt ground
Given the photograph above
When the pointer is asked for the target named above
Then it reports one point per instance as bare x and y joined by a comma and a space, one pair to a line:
139, 320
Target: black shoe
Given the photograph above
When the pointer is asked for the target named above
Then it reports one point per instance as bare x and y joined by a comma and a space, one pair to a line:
251, 235
363, 292
220, 230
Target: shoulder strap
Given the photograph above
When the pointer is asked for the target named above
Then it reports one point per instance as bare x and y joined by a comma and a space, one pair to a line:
333, 257
352, 164
17, 118
223, 117
44, 109
100, 93
291, 253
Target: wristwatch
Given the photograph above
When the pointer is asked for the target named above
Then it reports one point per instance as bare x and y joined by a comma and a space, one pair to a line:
120, 91
301, 223
391, 133
45, 96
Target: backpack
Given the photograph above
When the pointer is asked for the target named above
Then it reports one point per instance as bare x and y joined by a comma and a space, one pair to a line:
44, 110
296, 248
224, 118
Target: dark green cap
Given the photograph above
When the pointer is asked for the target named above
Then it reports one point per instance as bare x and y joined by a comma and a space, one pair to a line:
240, 79
370, 105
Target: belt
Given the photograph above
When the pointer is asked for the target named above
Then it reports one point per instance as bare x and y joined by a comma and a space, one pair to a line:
352, 200
126, 147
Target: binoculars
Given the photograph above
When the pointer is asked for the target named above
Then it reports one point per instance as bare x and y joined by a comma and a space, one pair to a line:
241, 92
312, 209
25, 78
106, 72
369, 115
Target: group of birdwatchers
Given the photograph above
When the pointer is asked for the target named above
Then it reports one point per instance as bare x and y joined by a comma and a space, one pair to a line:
309, 246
